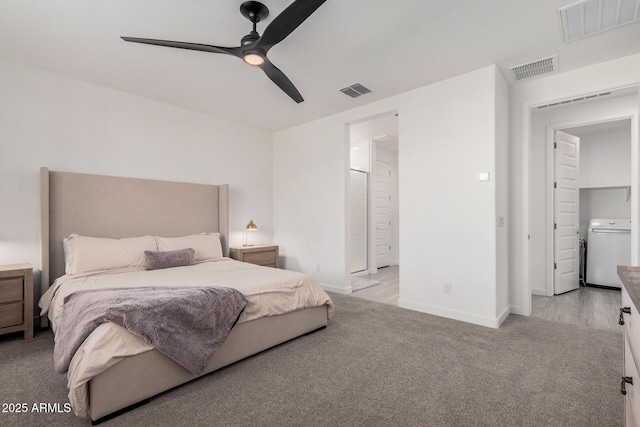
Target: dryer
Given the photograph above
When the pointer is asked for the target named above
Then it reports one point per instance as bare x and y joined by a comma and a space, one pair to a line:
608, 245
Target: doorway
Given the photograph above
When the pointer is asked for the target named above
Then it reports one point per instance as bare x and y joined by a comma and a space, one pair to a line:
591, 180
592, 119
602, 194
374, 225
598, 132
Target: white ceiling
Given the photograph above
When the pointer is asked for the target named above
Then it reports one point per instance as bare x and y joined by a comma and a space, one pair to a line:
389, 46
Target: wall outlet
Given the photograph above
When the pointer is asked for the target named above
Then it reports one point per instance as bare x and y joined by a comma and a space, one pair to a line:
318, 268
446, 288
500, 220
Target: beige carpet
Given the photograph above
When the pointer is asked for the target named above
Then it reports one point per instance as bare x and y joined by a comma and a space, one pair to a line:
375, 365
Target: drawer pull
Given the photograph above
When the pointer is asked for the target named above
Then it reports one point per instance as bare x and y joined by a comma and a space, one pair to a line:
623, 310
624, 381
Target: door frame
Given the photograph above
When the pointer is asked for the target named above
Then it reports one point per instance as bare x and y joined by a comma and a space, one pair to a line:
566, 127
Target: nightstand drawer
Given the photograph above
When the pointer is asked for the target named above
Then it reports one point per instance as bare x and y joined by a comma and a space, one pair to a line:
11, 290
266, 258
263, 255
11, 314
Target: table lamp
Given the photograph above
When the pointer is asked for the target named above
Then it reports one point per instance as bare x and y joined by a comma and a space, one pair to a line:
250, 227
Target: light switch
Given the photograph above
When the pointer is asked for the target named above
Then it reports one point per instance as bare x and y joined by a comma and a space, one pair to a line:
484, 176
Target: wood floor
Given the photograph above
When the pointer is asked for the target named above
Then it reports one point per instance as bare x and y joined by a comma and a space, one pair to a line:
388, 291
591, 307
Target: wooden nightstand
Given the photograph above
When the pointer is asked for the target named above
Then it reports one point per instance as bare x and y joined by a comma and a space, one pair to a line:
264, 255
16, 299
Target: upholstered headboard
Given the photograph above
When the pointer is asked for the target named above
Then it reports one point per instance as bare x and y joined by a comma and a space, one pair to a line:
116, 207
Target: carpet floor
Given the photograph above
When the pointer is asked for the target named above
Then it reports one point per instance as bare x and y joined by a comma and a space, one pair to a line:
374, 365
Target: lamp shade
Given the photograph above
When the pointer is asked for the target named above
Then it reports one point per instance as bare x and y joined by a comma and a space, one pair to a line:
251, 226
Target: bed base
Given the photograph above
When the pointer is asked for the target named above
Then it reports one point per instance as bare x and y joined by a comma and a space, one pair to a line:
151, 373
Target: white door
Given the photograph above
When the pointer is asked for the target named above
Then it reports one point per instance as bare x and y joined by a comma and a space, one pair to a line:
566, 215
383, 214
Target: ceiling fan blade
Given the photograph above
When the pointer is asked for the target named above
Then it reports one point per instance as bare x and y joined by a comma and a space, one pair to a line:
235, 51
287, 21
281, 80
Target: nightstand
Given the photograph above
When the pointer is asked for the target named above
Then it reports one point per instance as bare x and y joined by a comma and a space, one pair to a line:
264, 255
16, 299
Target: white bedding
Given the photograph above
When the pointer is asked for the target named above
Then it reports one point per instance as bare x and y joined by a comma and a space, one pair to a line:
270, 292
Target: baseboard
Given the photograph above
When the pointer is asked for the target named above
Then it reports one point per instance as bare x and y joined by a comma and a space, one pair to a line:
503, 316
516, 309
539, 291
489, 322
335, 289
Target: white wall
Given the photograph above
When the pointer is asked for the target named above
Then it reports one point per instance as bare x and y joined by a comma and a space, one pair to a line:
605, 156
310, 200
447, 218
605, 174
69, 125
523, 168
502, 196
609, 202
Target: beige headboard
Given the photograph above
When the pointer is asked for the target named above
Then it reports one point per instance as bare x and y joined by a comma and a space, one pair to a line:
116, 207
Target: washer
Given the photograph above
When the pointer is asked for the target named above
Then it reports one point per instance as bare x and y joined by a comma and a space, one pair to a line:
608, 245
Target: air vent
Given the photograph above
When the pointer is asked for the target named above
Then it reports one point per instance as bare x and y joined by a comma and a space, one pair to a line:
589, 17
355, 90
536, 68
570, 101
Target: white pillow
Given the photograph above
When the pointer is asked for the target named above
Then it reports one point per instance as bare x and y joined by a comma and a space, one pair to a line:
84, 254
206, 245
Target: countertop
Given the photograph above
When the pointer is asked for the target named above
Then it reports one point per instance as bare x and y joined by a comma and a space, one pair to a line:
631, 280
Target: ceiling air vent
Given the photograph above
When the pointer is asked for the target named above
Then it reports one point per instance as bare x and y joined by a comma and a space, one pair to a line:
536, 68
355, 90
569, 101
588, 17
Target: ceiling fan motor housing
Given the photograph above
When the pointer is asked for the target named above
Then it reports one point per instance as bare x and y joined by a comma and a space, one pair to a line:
249, 38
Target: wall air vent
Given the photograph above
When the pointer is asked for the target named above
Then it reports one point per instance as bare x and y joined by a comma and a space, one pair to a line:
355, 90
570, 101
536, 68
589, 17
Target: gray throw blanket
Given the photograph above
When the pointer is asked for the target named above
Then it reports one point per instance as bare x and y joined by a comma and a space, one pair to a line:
186, 324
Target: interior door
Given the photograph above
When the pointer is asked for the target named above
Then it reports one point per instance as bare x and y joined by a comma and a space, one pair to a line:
566, 215
383, 214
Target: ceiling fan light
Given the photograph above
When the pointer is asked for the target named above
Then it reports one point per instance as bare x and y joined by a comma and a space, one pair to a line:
253, 59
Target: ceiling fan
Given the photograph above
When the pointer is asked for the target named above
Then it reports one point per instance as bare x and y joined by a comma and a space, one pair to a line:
253, 47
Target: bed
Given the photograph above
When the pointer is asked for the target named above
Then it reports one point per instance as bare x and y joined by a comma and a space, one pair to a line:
105, 380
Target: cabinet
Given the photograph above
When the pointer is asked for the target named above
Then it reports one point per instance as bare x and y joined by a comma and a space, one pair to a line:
16, 299
630, 321
264, 255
